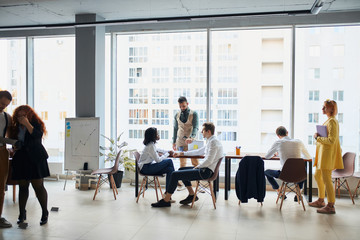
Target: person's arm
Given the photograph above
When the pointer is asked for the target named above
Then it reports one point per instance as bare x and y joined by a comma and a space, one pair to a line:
272, 150
154, 155
195, 124
330, 139
9, 125
195, 152
175, 129
210, 156
305, 151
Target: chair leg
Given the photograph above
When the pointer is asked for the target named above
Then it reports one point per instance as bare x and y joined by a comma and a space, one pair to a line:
112, 181
212, 194
196, 189
146, 182
158, 182
339, 185
300, 198
14, 193
298, 195
283, 195
348, 189
358, 185
280, 191
155, 183
139, 193
97, 187
239, 202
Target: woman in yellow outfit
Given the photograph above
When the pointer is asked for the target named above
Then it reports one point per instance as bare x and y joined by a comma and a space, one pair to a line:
328, 157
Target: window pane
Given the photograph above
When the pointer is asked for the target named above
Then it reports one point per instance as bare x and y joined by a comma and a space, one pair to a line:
13, 70
54, 83
333, 85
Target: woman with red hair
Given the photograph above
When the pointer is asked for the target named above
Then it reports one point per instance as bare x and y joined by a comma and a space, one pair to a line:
30, 161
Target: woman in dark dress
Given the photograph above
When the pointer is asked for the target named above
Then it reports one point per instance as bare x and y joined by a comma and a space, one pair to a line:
30, 161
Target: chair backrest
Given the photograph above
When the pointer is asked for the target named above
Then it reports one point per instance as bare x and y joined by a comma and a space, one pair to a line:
293, 171
349, 166
116, 164
216, 171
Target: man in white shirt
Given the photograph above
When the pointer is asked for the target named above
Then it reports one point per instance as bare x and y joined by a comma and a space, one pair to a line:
213, 151
286, 148
5, 121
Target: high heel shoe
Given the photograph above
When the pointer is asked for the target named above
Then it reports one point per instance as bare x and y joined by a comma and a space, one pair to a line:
22, 218
44, 218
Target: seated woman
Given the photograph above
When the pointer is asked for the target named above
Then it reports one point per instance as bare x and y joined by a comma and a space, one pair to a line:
153, 160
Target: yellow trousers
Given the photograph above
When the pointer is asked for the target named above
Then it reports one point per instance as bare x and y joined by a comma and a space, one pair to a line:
324, 182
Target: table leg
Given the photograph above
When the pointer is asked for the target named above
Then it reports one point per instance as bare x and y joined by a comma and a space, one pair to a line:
227, 177
305, 182
136, 179
216, 187
310, 182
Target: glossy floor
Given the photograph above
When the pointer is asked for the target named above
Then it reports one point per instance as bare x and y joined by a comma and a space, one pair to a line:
79, 217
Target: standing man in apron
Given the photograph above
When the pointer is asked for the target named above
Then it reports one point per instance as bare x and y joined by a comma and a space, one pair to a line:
5, 120
186, 126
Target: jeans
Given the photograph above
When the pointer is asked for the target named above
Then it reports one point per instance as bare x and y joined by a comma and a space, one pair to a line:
187, 174
272, 174
165, 166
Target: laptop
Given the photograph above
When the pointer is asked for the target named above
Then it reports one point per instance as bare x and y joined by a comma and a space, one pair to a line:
195, 145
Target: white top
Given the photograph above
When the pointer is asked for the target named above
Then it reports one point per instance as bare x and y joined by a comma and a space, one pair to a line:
287, 148
150, 154
213, 151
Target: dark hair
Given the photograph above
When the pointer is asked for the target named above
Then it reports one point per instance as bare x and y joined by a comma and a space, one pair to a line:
150, 135
6, 94
209, 126
182, 99
281, 131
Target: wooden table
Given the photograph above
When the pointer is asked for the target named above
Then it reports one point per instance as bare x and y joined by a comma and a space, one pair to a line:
232, 155
215, 187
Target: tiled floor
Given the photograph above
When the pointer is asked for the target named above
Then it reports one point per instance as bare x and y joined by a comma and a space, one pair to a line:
80, 217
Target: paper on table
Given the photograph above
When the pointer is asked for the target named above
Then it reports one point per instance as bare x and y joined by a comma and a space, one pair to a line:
321, 130
8, 140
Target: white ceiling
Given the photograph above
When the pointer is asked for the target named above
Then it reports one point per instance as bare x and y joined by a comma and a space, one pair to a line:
43, 12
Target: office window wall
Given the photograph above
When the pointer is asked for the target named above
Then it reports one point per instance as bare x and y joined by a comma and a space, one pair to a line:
54, 88
13, 70
154, 70
338, 65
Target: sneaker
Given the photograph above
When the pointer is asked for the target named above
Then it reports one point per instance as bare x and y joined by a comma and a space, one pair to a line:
4, 223
161, 204
326, 210
188, 199
317, 204
284, 197
181, 187
295, 199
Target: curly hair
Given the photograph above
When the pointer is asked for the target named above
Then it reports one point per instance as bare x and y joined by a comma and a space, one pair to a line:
150, 135
30, 114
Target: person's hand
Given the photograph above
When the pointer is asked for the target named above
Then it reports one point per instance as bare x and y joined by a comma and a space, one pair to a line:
316, 135
171, 153
178, 154
276, 154
160, 154
188, 140
23, 120
174, 146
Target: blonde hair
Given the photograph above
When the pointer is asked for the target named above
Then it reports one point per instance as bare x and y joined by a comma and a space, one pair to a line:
331, 104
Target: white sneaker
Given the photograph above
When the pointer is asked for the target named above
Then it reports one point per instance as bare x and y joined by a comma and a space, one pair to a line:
4, 223
181, 188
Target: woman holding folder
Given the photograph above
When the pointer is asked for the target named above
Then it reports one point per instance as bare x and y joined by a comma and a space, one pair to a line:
327, 158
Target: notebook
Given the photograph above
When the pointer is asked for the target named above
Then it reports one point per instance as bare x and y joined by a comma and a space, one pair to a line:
195, 145
321, 130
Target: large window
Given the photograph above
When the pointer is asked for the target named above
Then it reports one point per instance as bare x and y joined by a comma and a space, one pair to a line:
12, 70
54, 87
338, 64
154, 70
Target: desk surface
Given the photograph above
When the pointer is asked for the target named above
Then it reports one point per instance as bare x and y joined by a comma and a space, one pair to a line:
262, 155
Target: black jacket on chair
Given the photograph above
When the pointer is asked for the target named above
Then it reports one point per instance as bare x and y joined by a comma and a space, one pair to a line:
30, 162
250, 179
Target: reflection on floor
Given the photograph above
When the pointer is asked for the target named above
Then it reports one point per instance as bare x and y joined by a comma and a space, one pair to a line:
79, 217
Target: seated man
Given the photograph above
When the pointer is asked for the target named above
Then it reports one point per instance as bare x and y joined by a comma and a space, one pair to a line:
213, 152
286, 148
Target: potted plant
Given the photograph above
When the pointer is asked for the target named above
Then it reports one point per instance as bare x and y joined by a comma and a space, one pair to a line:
110, 153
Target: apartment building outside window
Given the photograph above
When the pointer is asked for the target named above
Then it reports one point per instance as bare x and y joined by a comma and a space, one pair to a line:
314, 51
314, 95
